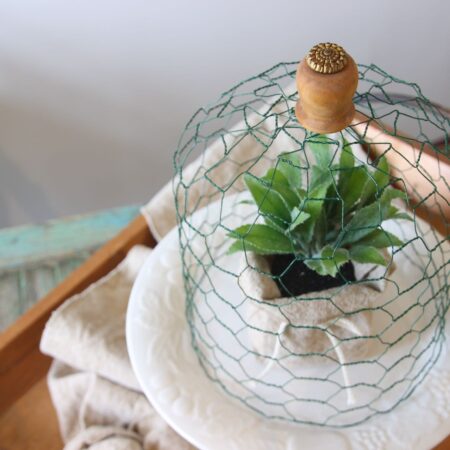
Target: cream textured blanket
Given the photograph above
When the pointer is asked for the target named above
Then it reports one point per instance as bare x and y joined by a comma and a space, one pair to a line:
95, 393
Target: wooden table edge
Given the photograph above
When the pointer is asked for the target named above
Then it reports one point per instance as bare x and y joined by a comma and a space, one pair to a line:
21, 363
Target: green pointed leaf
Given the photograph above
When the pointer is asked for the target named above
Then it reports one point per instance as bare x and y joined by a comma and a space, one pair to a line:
369, 218
390, 211
320, 229
329, 261
364, 221
270, 203
382, 173
347, 159
377, 182
289, 165
401, 216
367, 255
277, 181
301, 193
320, 178
343, 170
380, 239
261, 239
390, 194
320, 146
298, 217
351, 190
238, 246
314, 200
346, 164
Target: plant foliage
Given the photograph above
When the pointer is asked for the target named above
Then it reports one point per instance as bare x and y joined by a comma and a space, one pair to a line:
331, 217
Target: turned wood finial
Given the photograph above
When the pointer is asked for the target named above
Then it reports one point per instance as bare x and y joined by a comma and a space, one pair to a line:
326, 81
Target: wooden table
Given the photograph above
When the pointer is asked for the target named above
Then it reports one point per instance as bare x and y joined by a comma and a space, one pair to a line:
27, 418
35, 258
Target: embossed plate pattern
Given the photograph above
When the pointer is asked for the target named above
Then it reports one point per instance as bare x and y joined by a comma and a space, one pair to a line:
168, 371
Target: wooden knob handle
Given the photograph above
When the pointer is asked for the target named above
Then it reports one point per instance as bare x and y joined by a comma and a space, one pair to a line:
326, 82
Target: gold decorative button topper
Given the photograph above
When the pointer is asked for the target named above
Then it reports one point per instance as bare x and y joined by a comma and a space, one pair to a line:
327, 58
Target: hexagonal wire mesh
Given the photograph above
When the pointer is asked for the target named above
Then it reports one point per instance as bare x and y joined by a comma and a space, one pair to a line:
318, 358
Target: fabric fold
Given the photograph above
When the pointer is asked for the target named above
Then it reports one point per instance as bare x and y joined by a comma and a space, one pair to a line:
97, 398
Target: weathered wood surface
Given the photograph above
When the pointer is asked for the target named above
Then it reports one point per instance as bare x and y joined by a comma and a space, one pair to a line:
31, 424
34, 259
21, 363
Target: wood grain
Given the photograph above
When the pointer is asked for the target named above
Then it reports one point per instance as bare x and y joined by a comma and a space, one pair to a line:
325, 100
31, 423
36, 258
21, 363
444, 445
30, 244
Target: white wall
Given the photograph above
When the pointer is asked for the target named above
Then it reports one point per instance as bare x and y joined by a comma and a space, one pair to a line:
94, 93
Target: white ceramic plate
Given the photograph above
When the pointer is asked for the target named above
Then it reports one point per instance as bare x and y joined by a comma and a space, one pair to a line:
159, 344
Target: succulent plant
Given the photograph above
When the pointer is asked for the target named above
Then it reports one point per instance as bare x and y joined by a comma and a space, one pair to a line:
331, 217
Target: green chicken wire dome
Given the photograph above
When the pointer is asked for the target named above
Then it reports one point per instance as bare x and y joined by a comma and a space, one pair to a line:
335, 355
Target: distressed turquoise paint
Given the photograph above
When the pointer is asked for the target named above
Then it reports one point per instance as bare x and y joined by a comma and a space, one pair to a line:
34, 259
30, 244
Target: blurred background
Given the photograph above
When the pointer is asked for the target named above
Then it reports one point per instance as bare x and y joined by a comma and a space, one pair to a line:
94, 93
